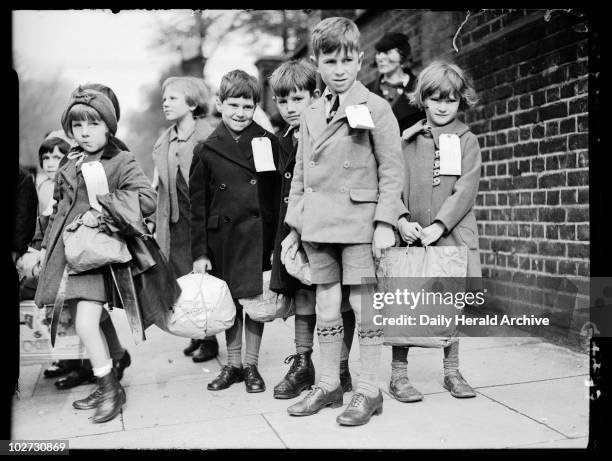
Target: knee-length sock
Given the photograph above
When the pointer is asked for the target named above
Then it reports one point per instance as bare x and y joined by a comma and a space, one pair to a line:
330, 335
253, 334
304, 332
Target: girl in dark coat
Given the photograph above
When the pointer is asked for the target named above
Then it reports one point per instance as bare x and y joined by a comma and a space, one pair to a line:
91, 120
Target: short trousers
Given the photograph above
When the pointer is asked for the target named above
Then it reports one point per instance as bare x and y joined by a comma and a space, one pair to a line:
339, 262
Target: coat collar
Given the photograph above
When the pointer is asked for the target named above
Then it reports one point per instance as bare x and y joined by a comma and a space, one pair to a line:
455, 127
315, 116
239, 152
286, 144
68, 168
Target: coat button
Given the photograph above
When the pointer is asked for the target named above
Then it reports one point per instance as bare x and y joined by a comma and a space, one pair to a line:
253, 181
309, 190
222, 187
286, 200
346, 164
312, 163
226, 219
288, 175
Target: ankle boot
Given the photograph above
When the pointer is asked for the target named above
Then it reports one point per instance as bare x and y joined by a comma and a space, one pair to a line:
345, 376
90, 402
300, 376
111, 400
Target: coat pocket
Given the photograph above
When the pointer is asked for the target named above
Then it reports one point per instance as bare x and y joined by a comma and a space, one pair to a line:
364, 195
213, 222
468, 237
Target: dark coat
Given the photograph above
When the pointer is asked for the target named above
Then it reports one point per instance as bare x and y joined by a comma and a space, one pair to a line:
405, 113
281, 281
122, 172
26, 208
234, 209
452, 201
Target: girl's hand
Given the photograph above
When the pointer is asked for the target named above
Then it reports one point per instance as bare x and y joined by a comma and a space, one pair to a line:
414, 129
202, 265
432, 233
409, 231
290, 245
383, 238
89, 219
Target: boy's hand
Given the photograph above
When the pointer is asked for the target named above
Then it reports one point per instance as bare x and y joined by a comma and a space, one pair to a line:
383, 238
414, 129
432, 233
202, 265
409, 231
290, 245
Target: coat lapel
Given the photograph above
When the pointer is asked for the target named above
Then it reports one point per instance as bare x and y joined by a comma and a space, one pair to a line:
240, 153
320, 130
160, 156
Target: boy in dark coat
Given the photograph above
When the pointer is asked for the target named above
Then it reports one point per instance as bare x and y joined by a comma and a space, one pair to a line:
234, 188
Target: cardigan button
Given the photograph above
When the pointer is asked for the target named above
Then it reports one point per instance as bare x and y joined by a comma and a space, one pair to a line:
312, 163
222, 187
309, 190
286, 200
288, 175
346, 164
226, 219
253, 181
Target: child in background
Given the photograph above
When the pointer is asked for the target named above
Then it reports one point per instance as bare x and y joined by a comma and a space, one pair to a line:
233, 189
294, 85
184, 102
343, 206
91, 120
50, 153
440, 206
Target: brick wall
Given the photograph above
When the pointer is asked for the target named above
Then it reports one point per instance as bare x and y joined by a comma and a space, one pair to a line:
530, 71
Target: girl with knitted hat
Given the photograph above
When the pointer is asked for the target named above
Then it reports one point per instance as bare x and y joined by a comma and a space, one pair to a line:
90, 119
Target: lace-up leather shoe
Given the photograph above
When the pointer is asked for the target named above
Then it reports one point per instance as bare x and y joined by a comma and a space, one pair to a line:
316, 399
228, 376
458, 386
194, 344
253, 380
402, 390
208, 350
75, 378
301, 375
360, 409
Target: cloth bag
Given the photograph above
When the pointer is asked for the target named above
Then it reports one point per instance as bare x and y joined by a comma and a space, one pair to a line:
299, 267
422, 269
268, 305
204, 308
88, 248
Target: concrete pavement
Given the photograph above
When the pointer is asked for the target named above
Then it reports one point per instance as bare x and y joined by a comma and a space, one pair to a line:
531, 394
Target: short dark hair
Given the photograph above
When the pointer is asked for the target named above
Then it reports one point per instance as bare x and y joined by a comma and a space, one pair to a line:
238, 84
293, 75
333, 34
49, 145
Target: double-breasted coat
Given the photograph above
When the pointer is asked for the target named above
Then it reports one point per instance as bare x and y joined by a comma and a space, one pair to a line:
202, 130
234, 208
122, 172
346, 179
452, 201
405, 113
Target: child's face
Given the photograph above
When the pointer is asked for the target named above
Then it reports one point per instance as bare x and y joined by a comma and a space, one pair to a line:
175, 105
90, 134
339, 68
236, 113
50, 162
441, 111
388, 61
291, 106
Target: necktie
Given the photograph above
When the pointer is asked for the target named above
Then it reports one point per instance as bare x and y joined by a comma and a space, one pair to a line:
334, 109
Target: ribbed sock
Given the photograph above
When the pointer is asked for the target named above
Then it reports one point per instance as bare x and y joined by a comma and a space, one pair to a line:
370, 348
451, 358
330, 335
348, 321
253, 334
233, 338
104, 370
304, 332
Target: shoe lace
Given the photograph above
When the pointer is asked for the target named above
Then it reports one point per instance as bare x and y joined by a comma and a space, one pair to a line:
295, 360
356, 400
311, 392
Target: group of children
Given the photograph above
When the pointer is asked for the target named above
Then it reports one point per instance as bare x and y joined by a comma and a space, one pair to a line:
237, 201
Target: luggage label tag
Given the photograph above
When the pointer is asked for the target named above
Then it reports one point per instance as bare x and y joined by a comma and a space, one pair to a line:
95, 182
450, 154
262, 154
359, 117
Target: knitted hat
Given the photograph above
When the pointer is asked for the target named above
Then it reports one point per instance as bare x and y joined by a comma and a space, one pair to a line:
96, 100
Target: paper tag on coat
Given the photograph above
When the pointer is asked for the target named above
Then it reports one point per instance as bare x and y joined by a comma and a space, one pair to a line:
450, 154
262, 154
95, 181
359, 117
